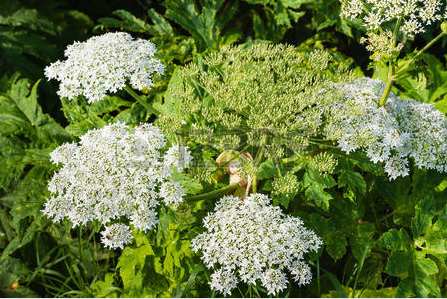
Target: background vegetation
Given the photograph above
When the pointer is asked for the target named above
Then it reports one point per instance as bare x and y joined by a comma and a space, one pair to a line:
398, 247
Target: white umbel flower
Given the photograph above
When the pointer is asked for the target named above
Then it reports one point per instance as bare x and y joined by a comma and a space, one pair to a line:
103, 64
113, 173
116, 236
415, 14
178, 157
392, 134
253, 241
223, 281
172, 192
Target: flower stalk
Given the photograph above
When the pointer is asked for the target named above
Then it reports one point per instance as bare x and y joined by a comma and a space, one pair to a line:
141, 101
389, 85
212, 194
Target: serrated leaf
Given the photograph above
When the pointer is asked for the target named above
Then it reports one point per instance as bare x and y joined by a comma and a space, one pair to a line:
20, 241
267, 170
313, 177
317, 194
316, 184
395, 239
332, 235
132, 261
105, 288
160, 24
205, 23
364, 163
354, 183
415, 270
425, 211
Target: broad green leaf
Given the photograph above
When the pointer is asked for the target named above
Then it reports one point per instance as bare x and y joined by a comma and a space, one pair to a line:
424, 213
415, 270
354, 183
435, 242
316, 184
442, 105
105, 288
267, 170
204, 24
20, 241
395, 239
132, 261
161, 25
333, 235
317, 194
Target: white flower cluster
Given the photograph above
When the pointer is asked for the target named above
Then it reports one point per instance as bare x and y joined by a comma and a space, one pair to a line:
103, 64
390, 134
414, 14
114, 172
382, 45
178, 157
252, 240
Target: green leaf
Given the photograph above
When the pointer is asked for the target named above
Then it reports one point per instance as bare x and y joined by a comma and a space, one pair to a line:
203, 24
395, 239
267, 28
425, 211
132, 261
364, 163
127, 21
442, 105
416, 271
363, 240
267, 170
441, 223
317, 194
11, 270
354, 183
332, 233
106, 287
19, 241
161, 26
316, 184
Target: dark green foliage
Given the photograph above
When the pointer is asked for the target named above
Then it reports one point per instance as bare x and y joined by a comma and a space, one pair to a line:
35, 253
31, 36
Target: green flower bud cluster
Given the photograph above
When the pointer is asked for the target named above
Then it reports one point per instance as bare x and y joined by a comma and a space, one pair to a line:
261, 96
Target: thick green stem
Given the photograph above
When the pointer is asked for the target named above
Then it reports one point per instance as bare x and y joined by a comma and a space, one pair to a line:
212, 194
427, 46
390, 79
440, 35
141, 101
389, 85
